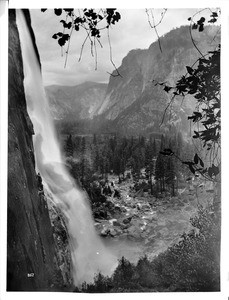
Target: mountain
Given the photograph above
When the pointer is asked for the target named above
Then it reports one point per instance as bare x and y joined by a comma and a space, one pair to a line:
132, 104
75, 102
133, 101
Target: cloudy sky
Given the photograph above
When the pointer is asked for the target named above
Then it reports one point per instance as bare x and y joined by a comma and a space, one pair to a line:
131, 32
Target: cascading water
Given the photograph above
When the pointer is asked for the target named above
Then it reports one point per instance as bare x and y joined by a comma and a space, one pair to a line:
88, 252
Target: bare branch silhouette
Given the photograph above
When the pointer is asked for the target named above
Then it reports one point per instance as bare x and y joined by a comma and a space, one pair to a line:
82, 47
154, 26
111, 58
96, 55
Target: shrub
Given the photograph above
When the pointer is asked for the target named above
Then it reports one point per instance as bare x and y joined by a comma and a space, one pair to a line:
101, 284
124, 274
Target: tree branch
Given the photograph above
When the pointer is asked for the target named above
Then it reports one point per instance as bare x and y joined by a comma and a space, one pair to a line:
154, 26
111, 58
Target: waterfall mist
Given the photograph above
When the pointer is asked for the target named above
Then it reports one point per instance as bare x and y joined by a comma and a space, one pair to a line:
89, 255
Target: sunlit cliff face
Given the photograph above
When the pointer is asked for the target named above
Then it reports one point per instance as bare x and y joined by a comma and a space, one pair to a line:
88, 252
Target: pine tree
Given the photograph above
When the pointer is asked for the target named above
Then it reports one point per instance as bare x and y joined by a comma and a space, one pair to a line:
105, 160
160, 171
82, 163
154, 148
170, 175
112, 144
96, 161
180, 144
162, 146
117, 164
94, 140
77, 145
69, 149
142, 141
160, 166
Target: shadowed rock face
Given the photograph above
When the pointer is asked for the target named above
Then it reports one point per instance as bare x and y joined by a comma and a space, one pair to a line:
31, 258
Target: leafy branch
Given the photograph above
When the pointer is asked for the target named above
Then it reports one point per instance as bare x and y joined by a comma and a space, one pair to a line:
196, 166
93, 22
203, 83
199, 24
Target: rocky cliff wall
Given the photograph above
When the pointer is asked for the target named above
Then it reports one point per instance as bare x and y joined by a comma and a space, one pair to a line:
133, 101
31, 256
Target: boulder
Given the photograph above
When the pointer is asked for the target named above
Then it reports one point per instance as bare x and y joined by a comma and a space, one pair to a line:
123, 209
112, 232
117, 208
116, 223
127, 220
150, 217
134, 232
125, 226
118, 230
111, 221
146, 207
105, 231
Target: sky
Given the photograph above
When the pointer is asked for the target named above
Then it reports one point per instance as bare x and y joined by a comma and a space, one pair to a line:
131, 32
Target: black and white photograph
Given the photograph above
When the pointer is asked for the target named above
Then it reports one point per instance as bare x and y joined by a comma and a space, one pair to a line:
113, 166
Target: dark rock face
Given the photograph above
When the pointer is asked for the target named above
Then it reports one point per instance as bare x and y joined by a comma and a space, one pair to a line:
31, 258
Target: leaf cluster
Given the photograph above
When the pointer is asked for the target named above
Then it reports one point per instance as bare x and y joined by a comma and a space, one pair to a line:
196, 165
199, 24
88, 19
203, 83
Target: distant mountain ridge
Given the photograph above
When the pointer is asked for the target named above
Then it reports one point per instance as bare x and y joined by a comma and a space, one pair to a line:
75, 102
132, 103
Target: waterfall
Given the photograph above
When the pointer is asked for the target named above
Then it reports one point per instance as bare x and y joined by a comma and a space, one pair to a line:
89, 255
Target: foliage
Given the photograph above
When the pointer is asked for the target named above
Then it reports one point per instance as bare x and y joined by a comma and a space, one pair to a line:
150, 158
160, 171
102, 284
92, 21
199, 24
123, 275
203, 83
89, 21
170, 175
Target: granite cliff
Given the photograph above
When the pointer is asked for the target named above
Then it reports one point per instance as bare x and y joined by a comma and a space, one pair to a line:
33, 256
133, 101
